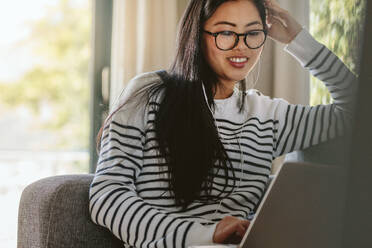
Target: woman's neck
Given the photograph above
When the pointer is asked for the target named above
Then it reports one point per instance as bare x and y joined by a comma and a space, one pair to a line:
224, 90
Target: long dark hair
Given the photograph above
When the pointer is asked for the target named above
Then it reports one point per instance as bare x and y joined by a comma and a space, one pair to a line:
184, 127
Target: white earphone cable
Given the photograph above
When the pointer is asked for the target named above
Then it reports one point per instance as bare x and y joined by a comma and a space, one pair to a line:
238, 138
258, 74
240, 148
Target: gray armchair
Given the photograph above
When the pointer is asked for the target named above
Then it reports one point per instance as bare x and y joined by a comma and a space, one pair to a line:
53, 212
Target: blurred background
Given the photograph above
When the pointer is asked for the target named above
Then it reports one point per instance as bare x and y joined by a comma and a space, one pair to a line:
44, 97
63, 62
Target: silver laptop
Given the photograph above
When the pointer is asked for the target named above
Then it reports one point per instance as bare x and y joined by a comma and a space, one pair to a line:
302, 208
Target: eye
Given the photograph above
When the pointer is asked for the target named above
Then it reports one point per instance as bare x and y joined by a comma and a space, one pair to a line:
227, 33
254, 33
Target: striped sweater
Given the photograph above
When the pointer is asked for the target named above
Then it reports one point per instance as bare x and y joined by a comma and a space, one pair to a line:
129, 194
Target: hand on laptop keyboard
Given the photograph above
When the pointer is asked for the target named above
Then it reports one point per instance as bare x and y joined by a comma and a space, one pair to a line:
230, 230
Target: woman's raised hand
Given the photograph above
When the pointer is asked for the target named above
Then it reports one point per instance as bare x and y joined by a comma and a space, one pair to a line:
230, 230
282, 26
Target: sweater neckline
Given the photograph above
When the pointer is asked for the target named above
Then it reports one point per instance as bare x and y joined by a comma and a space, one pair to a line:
233, 95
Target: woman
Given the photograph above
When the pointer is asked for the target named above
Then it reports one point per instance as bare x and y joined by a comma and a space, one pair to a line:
186, 155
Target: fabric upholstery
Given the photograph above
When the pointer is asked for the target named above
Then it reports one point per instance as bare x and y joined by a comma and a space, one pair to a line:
54, 213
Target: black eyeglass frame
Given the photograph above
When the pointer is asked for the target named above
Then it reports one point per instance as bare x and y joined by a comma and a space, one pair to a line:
237, 38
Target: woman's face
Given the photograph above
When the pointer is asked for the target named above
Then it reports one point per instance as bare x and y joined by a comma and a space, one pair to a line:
239, 16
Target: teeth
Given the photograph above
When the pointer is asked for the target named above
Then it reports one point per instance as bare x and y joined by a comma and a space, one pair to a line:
238, 60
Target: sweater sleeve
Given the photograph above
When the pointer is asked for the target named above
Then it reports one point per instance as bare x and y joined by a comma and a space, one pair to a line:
113, 199
299, 126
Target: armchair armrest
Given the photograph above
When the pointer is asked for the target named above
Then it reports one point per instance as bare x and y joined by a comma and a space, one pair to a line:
54, 212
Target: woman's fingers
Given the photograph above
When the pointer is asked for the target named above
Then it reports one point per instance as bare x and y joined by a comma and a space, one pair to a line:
282, 26
273, 4
246, 223
230, 229
237, 227
275, 11
241, 230
277, 19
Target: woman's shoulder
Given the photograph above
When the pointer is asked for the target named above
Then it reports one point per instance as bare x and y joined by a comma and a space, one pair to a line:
147, 77
257, 95
141, 82
133, 99
138, 85
259, 102
254, 92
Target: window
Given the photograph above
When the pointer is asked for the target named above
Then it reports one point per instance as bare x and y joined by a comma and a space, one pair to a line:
44, 97
336, 23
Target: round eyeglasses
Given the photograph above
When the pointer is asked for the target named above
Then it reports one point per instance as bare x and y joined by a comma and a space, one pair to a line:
227, 40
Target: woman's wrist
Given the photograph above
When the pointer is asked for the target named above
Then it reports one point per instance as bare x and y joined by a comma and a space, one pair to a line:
303, 47
294, 33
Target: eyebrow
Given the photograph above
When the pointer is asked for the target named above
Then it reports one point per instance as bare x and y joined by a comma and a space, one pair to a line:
234, 25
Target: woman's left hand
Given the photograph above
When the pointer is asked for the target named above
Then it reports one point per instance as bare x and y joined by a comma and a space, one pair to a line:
282, 26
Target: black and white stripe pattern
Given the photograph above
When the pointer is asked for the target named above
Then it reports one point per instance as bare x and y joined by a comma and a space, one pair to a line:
305, 126
129, 194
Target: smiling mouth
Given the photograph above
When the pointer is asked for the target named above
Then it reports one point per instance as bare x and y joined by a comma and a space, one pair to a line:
238, 59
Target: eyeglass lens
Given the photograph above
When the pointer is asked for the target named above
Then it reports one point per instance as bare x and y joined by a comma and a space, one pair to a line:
228, 40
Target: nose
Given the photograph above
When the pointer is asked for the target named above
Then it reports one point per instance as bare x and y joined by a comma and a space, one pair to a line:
241, 44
